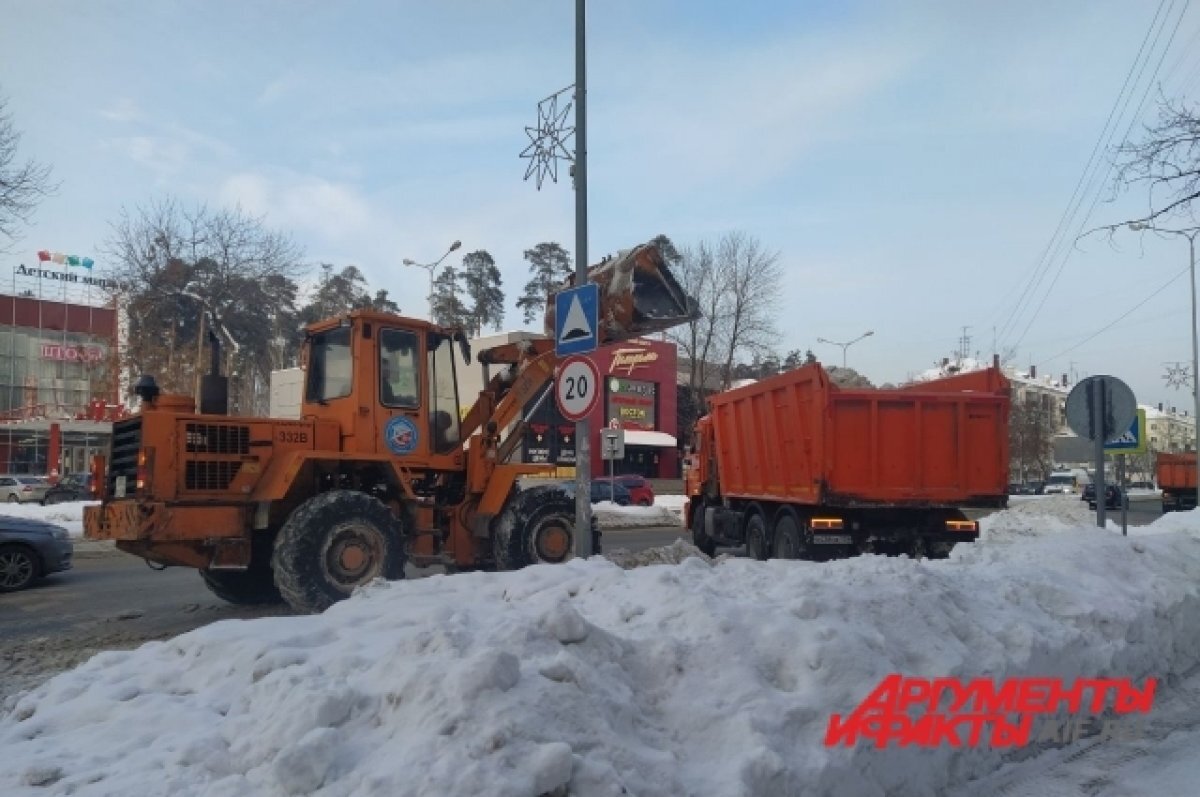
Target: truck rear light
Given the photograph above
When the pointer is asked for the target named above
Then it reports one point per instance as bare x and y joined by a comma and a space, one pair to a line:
144, 468
962, 525
826, 524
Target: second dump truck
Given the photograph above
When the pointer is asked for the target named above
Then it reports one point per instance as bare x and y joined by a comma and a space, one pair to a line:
1176, 475
795, 467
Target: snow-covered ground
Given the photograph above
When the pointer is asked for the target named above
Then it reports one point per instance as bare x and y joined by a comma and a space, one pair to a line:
611, 516
698, 678
69, 515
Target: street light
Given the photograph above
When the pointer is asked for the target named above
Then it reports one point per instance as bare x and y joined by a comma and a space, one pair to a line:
845, 346
432, 268
1138, 226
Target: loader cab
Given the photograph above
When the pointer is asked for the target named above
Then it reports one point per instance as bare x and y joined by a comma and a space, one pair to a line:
390, 384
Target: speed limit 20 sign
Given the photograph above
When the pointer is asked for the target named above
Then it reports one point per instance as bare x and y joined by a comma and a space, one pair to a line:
577, 387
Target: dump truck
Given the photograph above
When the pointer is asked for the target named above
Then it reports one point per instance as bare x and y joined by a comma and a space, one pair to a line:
795, 467
382, 467
1176, 476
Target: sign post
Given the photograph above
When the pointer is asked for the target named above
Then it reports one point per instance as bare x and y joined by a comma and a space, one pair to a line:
612, 448
577, 388
1131, 441
1098, 408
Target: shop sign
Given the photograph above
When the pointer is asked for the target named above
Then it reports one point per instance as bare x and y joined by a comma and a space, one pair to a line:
631, 359
72, 354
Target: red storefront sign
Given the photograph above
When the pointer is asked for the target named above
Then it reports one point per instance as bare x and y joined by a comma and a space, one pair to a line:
81, 354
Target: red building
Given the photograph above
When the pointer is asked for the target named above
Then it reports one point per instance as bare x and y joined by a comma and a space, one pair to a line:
639, 394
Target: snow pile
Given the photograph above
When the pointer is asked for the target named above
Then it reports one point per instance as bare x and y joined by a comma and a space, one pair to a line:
672, 554
673, 504
1051, 514
588, 679
69, 515
613, 516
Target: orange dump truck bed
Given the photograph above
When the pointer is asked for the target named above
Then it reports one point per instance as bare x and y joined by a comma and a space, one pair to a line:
1176, 474
799, 438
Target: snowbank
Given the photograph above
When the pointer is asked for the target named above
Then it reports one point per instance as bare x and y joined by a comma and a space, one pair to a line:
613, 516
69, 515
673, 504
698, 678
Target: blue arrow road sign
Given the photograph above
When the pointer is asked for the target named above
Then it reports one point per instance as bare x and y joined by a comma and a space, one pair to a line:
577, 320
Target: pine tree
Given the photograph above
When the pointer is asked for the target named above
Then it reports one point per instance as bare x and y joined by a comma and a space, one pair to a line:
448, 308
550, 266
481, 283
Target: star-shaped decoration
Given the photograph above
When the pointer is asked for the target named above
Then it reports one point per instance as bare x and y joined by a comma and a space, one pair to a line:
1178, 375
547, 141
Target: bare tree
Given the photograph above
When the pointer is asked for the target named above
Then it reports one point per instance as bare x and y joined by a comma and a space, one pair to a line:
22, 184
1167, 162
1031, 431
749, 277
696, 272
185, 270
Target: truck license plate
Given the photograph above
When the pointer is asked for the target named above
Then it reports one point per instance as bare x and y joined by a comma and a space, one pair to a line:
831, 539
119, 489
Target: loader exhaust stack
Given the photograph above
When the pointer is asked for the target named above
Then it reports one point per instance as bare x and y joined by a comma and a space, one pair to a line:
214, 388
638, 295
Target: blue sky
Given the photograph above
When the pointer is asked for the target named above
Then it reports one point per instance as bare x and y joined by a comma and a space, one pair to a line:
909, 161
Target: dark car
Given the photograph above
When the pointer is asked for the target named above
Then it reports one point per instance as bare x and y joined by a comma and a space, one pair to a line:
30, 549
641, 492
602, 491
72, 487
1113, 497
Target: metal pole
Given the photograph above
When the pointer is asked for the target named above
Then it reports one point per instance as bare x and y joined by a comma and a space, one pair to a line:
1100, 429
583, 448
1195, 361
1122, 494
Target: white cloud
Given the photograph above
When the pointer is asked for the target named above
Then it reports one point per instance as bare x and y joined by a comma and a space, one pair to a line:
331, 212
123, 109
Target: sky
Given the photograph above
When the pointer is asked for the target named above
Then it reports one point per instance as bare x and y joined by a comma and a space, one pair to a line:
910, 162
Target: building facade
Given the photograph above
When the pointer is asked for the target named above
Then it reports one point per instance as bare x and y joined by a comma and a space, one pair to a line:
58, 369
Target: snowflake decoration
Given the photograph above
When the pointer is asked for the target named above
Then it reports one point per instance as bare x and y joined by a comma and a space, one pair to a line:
547, 141
1178, 375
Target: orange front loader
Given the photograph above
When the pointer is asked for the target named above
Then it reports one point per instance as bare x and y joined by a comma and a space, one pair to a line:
795, 467
382, 468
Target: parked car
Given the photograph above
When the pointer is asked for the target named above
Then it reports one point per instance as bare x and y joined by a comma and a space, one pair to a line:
23, 489
30, 549
1113, 497
72, 487
606, 491
640, 490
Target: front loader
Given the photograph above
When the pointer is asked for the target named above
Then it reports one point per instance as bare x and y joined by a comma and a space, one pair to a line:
381, 469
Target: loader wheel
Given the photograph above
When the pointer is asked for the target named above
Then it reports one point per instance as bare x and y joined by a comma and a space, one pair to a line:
537, 526
757, 546
706, 544
789, 542
332, 544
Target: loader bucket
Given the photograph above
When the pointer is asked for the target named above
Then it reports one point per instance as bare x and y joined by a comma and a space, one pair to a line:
638, 295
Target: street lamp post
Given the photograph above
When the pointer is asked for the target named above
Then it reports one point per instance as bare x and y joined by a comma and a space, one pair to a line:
1191, 236
432, 269
845, 346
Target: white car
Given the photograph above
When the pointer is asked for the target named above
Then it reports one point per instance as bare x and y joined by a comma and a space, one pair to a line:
23, 489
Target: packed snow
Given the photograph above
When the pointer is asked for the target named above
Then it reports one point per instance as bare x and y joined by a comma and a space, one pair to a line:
612, 516
698, 678
69, 515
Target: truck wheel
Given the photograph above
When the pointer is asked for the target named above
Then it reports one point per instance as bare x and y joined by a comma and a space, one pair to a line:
537, 527
254, 586
789, 542
757, 546
332, 544
706, 544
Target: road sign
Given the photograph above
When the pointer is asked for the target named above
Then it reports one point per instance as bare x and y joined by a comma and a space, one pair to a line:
577, 387
1099, 407
1132, 440
577, 320
612, 444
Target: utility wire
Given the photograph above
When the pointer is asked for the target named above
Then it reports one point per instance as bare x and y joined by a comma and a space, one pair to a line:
1137, 114
1036, 275
1119, 318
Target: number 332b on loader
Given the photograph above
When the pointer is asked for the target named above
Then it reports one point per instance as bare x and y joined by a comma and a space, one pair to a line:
381, 469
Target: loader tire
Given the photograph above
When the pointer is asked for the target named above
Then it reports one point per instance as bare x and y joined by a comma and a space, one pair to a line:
706, 544
537, 527
332, 544
254, 586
